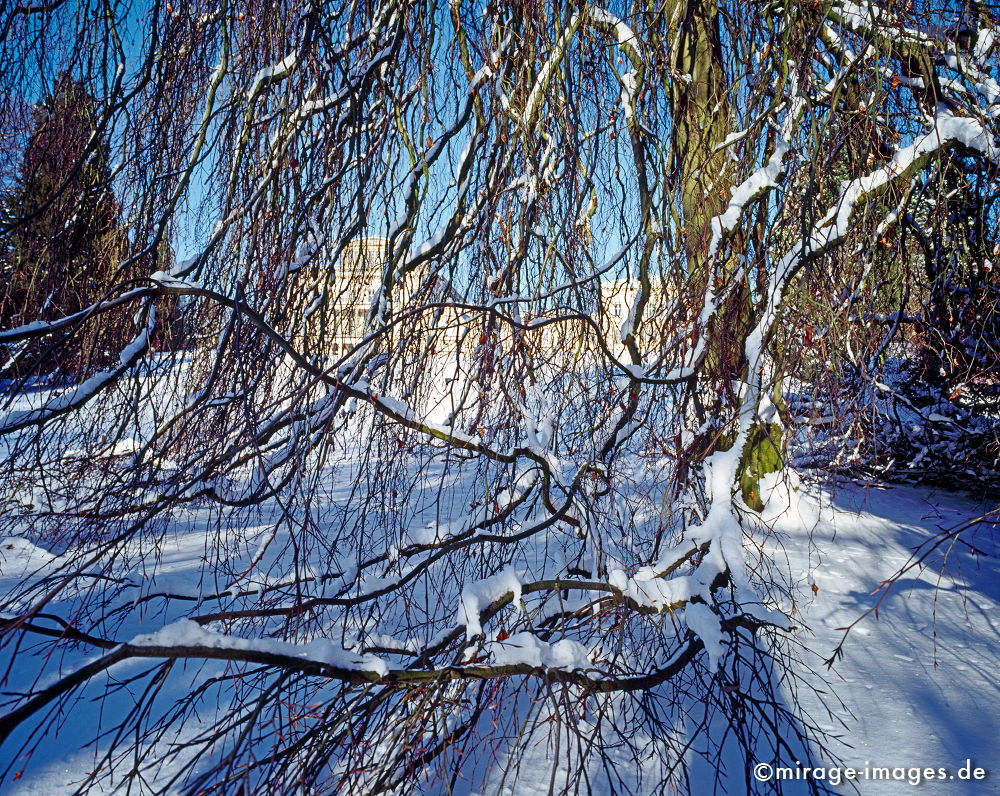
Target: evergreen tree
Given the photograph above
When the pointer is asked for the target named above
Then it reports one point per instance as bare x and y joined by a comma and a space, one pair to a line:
65, 240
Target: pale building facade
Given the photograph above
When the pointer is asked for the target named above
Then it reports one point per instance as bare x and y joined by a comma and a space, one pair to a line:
335, 306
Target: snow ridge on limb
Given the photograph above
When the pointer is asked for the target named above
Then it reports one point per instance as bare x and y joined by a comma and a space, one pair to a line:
477, 596
520, 654
187, 634
77, 396
42, 328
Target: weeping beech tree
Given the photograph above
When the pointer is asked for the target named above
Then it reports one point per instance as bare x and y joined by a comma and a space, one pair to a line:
491, 307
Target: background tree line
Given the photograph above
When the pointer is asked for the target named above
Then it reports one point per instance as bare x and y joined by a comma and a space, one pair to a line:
65, 241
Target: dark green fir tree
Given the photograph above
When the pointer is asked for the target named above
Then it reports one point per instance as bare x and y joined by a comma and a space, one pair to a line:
64, 242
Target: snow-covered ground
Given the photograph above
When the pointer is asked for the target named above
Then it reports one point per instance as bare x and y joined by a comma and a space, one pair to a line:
918, 683
920, 679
